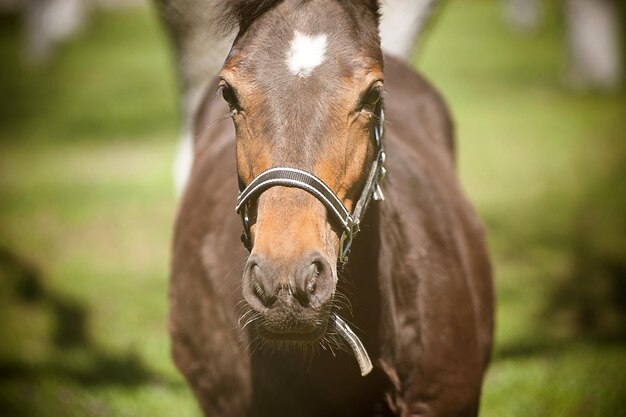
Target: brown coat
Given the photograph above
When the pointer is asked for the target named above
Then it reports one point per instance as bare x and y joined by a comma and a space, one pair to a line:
419, 282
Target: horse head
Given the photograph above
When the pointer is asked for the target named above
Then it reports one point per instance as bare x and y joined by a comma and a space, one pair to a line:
303, 82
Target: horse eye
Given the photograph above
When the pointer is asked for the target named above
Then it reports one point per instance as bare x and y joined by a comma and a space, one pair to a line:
370, 101
230, 97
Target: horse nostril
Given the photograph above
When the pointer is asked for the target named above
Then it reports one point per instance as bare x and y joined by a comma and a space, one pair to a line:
313, 280
255, 291
308, 284
312, 284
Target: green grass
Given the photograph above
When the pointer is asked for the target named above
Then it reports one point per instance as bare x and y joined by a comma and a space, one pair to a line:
86, 207
537, 160
113, 82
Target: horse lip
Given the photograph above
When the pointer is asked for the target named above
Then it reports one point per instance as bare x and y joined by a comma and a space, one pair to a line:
309, 329
302, 331
296, 334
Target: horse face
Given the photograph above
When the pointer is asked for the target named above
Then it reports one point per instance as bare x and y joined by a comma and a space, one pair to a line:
302, 87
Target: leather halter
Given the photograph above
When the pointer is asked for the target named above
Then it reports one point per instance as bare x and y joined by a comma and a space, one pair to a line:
297, 178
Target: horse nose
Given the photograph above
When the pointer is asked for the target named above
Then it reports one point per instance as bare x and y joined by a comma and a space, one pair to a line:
258, 285
307, 282
313, 280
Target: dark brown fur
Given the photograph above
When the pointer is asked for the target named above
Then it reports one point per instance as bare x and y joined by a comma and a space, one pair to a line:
418, 281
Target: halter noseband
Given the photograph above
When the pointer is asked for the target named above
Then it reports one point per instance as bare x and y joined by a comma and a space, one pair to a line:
297, 178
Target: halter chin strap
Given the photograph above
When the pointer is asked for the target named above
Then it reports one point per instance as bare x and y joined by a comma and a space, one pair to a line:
297, 178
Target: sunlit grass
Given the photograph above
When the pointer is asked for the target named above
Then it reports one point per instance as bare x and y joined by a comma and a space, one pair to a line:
86, 145
529, 152
114, 83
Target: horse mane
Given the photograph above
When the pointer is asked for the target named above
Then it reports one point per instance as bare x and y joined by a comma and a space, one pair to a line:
239, 14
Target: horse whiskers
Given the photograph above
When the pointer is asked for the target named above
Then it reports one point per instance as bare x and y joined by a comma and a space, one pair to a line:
243, 342
340, 301
253, 346
246, 312
340, 305
243, 312
252, 319
332, 341
308, 349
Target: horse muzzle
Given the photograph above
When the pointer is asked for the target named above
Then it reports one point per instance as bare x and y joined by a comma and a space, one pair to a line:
292, 299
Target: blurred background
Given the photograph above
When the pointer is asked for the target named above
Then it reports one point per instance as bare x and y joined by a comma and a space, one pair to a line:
88, 130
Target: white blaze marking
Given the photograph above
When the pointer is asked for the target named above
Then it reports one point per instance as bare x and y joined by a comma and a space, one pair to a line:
306, 53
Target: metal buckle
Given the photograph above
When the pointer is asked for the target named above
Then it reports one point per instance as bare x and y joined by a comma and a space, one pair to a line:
345, 244
378, 193
379, 129
245, 235
378, 134
378, 190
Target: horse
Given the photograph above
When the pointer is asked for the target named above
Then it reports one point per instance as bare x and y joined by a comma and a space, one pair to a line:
355, 279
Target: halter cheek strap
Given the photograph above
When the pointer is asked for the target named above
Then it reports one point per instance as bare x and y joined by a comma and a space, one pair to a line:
297, 178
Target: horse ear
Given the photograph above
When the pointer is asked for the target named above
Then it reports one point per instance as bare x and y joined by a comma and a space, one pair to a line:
373, 5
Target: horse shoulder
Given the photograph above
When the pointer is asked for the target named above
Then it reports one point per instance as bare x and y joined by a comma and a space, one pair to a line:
440, 285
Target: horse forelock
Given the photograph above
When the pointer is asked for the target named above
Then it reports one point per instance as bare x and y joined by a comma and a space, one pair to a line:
239, 14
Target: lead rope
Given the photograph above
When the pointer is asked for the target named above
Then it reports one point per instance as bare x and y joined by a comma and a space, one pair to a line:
362, 358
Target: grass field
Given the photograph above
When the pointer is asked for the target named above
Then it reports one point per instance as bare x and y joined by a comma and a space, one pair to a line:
86, 208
